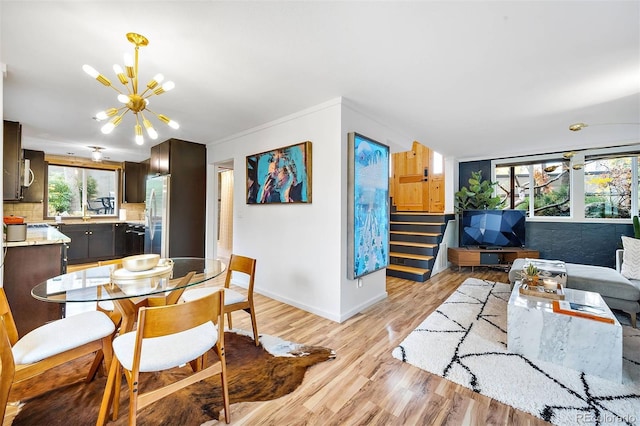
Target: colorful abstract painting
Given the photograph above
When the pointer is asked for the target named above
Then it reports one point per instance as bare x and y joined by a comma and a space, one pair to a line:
368, 232
281, 175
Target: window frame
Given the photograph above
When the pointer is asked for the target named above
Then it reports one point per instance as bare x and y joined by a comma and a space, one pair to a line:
83, 164
576, 181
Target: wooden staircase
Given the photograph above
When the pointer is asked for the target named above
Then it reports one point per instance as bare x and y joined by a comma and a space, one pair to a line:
414, 241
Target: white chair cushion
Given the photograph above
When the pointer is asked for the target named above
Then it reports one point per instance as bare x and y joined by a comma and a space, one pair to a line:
162, 353
61, 335
230, 296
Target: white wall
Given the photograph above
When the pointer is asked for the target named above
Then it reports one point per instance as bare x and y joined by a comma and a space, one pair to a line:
301, 248
357, 295
297, 246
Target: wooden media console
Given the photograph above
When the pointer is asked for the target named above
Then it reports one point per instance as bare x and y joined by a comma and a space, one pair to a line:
499, 256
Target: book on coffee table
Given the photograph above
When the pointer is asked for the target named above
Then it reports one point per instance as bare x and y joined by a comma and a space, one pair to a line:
582, 311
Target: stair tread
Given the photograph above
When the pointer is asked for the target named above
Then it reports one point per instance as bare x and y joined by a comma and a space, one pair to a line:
417, 223
423, 234
410, 269
412, 244
410, 256
416, 213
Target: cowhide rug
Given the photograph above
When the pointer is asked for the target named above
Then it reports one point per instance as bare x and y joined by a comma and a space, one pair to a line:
254, 374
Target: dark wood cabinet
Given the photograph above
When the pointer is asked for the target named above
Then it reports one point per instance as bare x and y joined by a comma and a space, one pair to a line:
25, 267
89, 242
35, 192
160, 158
119, 239
135, 178
186, 162
79, 246
12, 158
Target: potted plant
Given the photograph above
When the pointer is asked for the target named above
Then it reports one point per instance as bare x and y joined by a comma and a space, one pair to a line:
478, 195
531, 274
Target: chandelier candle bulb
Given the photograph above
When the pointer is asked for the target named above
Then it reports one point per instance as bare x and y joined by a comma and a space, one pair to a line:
95, 74
120, 73
168, 121
128, 64
139, 138
150, 130
157, 79
90, 70
103, 115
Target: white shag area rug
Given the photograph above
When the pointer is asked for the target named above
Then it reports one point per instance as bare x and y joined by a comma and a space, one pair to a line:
465, 341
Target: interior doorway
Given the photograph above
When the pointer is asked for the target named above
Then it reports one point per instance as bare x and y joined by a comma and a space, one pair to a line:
225, 211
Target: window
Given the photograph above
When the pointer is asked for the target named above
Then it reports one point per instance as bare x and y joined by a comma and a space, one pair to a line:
607, 186
81, 191
588, 184
547, 183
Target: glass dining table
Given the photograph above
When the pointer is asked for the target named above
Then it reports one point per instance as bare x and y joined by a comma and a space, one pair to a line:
126, 288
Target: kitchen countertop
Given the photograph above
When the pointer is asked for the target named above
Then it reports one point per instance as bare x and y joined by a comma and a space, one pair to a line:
90, 221
46, 232
39, 234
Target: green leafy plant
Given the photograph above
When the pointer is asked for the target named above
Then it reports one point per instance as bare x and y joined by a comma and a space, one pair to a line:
636, 227
60, 195
531, 270
478, 195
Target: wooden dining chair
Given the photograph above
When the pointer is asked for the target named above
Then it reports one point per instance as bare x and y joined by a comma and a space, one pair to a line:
234, 301
128, 308
167, 337
7, 369
56, 342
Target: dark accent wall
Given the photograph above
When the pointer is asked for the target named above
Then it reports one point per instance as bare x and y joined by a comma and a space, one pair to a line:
465, 170
577, 242
573, 242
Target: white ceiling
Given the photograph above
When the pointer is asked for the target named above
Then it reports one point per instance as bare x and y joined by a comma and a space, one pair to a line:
470, 79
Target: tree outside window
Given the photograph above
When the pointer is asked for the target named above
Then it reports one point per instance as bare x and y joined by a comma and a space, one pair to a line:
607, 184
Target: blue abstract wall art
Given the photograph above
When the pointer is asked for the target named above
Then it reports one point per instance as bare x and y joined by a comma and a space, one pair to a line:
368, 193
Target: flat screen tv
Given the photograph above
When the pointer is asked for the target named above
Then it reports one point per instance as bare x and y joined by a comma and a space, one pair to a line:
492, 228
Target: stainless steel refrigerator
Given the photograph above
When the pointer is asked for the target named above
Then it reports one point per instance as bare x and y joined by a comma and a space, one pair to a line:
156, 237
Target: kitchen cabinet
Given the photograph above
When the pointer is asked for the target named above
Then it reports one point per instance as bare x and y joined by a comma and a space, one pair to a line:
12, 157
160, 158
119, 239
135, 178
35, 192
25, 267
186, 162
89, 242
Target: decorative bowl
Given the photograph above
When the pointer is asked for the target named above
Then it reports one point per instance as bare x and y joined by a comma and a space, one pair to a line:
140, 262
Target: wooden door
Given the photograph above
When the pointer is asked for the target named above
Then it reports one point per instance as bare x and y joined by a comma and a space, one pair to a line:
411, 192
418, 180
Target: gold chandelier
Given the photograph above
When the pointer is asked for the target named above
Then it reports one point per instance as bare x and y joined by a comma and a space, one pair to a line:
132, 100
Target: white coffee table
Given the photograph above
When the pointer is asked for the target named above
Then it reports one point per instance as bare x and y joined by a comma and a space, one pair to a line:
583, 344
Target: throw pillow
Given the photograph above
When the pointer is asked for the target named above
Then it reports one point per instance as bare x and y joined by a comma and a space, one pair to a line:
631, 258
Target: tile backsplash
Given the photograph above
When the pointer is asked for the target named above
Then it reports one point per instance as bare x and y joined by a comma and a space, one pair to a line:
34, 212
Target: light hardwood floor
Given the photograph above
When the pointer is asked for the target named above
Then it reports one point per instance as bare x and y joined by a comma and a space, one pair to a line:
364, 384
